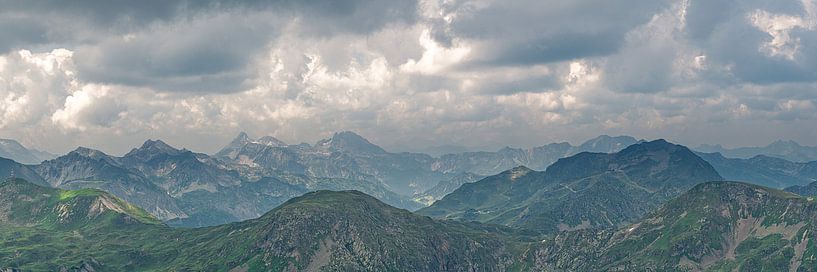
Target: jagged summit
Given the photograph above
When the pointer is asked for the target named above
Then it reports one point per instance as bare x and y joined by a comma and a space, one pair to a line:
151, 149
158, 145
350, 141
88, 153
270, 141
241, 138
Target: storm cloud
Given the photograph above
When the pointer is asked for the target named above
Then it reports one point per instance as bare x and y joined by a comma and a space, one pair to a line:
406, 74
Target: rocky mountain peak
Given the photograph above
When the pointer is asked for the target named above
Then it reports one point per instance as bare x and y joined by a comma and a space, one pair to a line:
242, 138
12, 149
271, 141
152, 148
88, 153
350, 141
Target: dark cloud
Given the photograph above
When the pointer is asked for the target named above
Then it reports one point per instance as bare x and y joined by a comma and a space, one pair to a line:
408, 73
19, 31
190, 46
535, 32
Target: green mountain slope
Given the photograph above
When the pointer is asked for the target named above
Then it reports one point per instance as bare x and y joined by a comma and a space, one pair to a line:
50, 229
588, 190
716, 226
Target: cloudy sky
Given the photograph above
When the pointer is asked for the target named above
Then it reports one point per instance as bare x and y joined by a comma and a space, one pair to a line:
406, 74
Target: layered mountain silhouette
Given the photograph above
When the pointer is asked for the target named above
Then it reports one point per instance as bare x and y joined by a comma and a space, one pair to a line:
12, 149
763, 170
587, 190
789, 150
250, 176
721, 226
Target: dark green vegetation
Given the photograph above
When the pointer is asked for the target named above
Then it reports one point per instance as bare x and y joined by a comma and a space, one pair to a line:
716, 226
45, 229
588, 190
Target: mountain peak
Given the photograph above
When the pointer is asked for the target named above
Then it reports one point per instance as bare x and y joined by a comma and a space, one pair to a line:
271, 141
12, 149
784, 144
517, 172
152, 148
88, 152
607, 144
350, 141
158, 145
241, 139
659, 144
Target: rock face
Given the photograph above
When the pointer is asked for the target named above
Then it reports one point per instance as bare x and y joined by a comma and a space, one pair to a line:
345, 155
588, 190
350, 156
763, 170
717, 226
178, 186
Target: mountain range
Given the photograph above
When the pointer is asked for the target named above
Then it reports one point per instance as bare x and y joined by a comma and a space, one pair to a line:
250, 176
11, 149
47, 229
715, 226
789, 150
763, 170
584, 191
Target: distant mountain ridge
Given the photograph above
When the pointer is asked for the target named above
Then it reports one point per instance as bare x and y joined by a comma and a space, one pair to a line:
348, 155
763, 170
258, 174
185, 188
789, 150
587, 190
714, 226
12, 149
